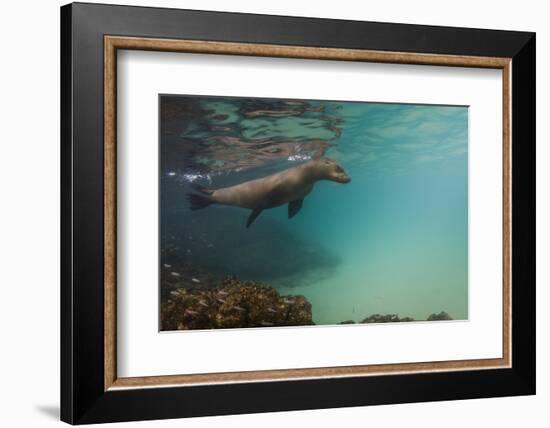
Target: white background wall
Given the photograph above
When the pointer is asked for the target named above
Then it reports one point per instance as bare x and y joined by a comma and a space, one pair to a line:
29, 215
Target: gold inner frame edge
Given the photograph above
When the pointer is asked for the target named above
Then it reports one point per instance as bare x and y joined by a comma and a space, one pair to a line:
113, 43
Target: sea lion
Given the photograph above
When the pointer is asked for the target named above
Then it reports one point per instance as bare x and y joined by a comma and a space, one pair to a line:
289, 186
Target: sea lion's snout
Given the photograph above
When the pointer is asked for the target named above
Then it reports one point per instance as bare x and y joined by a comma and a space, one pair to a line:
338, 174
345, 179
342, 178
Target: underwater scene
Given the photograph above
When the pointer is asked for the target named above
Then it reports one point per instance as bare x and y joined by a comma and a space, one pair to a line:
285, 212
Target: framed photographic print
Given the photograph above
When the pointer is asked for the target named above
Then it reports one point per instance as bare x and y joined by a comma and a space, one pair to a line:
266, 213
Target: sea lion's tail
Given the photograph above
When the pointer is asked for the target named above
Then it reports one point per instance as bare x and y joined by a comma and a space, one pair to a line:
197, 202
201, 199
201, 189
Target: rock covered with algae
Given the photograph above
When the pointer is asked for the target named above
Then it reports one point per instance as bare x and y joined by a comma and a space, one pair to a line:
378, 318
442, 316
235, 304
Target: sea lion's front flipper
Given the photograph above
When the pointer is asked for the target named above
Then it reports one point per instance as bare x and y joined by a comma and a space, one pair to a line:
255, 213
294, 207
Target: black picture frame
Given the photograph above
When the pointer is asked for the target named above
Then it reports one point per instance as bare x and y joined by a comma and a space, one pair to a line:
83, 398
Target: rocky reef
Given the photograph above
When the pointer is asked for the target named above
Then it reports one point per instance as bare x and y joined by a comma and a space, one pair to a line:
442, 316
192, 298
378, 318
234, 304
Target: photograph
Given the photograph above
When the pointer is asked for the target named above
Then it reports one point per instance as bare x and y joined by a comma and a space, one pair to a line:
277, 212
262, 211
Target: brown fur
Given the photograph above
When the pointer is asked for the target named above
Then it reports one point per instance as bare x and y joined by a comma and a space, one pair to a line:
287, 186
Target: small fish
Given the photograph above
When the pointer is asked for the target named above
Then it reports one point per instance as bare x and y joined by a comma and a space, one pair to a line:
191, 312
238, 308
174, 293
221, 300
271, 310
195, 280
174, 274
210, 245
223, 293
266, 323
167, 266
203, 303
288, 301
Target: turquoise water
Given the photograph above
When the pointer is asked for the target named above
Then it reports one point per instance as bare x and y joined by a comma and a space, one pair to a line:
392, 241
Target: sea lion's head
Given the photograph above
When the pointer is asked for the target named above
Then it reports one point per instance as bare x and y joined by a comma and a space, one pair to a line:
329, 169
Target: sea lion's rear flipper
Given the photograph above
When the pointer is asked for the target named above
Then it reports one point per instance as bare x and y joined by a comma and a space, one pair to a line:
201, 189
294, 207
255, 213
197, 202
